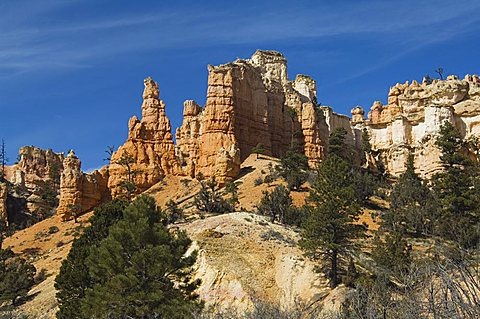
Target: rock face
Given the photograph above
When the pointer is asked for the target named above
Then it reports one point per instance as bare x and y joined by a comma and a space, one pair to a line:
149, 143
80, 192
243, 258
411, 120
37, 175
250, 102
3, 204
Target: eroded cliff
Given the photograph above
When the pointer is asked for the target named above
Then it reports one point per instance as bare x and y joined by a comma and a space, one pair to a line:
411, 121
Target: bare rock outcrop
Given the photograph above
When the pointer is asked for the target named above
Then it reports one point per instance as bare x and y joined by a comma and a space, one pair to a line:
3, 204
37, 174
411, 121
243, 258
149, 143
188, 137
252, 102
80, 192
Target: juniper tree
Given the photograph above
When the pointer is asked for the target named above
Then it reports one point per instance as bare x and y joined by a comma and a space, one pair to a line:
140, 270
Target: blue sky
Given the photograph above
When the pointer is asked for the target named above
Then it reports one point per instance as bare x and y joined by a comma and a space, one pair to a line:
71, 72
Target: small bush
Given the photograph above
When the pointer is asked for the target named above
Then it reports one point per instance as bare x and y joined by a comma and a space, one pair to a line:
258, 181
41, 276
275, 235
278, 205
53, 230
174, 213
209, 198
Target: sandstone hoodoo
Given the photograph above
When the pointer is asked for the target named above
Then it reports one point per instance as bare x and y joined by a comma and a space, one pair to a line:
411, 120
35, 181
251, 102
80, 192
150, 143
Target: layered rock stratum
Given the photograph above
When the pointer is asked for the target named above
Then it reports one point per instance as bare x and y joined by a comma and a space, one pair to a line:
250, 102
411, 121
35, 184
149, 144
80, 192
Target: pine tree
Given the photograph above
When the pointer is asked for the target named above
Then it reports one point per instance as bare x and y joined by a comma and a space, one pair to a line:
338, 146
292, 168
456, 190
16, 276
74, 278
128, 183
292, 114
173, 212
366, 146
365, 182
232, 189
140, 270
393, 254
330, 229
411, 204
3, 160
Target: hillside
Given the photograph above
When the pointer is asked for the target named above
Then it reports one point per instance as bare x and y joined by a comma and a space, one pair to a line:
234, 249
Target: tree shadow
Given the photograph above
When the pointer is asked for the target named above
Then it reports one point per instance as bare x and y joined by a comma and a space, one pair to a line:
245, 170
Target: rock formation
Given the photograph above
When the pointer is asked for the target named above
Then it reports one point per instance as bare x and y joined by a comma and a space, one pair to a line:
240, 262
37, 175
149, 143
411, 120
250, 102
3, 204
80, 192
189, 133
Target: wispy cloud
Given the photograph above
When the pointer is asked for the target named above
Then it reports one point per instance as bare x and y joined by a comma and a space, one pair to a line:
411, 25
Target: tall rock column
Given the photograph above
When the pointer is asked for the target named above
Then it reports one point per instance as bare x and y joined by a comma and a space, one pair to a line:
149, 143
70, 188
188, 136
219, 154
80, 192
3, 204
